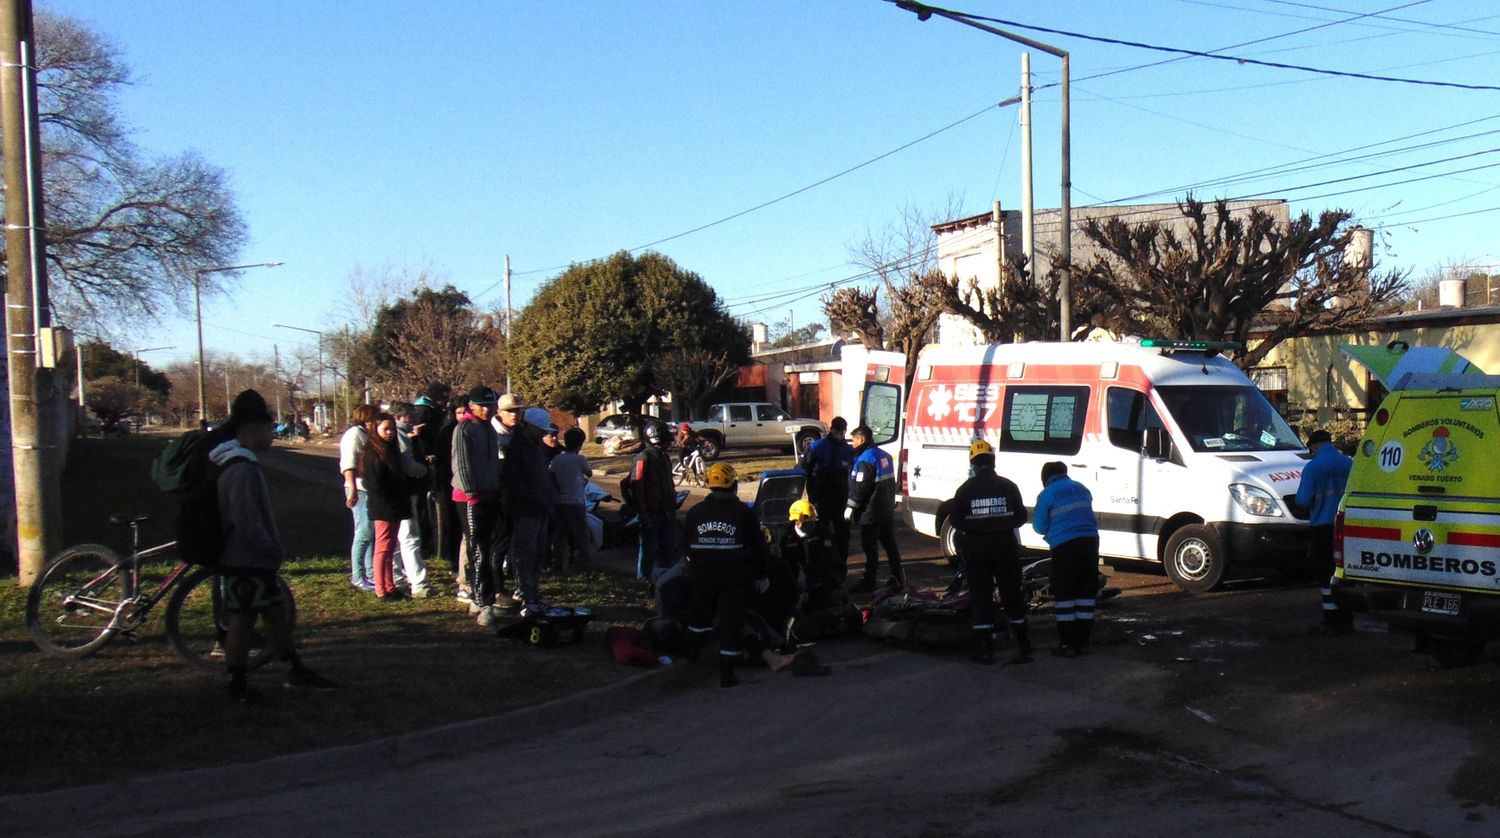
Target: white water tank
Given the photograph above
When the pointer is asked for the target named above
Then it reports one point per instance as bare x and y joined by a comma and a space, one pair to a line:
1451, 293
758, 334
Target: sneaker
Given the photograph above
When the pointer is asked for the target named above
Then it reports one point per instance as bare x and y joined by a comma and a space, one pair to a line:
364, 585
534, 609
487, 616
463, 596
391, 596
474, 608
421, 593
306, 679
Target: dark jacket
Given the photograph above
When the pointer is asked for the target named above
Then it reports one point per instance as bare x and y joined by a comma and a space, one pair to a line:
989, 507
651, 481
386, 486
476, 461
872, 486
442, 454
828, 463
529, 490
724, 535
432, 419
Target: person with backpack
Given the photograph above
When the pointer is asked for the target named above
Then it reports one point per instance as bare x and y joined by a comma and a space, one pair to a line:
362, 549
986, 510
387, 475
251, 557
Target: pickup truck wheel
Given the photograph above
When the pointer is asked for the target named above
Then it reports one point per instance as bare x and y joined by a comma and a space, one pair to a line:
1195, 559
949, 536
708, 446
804, 440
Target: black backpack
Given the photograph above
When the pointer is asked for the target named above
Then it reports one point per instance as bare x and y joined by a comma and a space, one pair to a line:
201, 534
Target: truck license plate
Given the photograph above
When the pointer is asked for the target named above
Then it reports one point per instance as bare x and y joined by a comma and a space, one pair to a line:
1439, 602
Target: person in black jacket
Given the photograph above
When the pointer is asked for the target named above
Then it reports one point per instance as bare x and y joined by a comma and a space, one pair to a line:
447, 531
828, 463
872, 503
386, 477
429, 414
809, 552
986, 511
727, 560
529, 495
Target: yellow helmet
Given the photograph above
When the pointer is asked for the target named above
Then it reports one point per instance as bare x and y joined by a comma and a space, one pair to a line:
721, 476
980, 448
801, 509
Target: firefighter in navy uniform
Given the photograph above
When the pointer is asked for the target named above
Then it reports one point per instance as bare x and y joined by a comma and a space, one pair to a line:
986, 511
872, 503
727, 560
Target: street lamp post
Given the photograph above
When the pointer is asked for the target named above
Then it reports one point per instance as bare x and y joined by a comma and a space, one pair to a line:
198, 311
1065, 242
138, 361
320, 352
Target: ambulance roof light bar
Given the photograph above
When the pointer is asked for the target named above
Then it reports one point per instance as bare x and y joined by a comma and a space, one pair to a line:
1208, 347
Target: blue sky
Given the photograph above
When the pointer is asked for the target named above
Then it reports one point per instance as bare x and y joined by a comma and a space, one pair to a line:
449, 134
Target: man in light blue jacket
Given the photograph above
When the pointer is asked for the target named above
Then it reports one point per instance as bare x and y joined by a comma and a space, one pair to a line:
1065, 518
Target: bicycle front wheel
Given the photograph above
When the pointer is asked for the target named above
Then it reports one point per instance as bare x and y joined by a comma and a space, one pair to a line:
71, 607
197, 624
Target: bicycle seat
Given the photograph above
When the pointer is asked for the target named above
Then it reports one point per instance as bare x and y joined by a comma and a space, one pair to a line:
121, 518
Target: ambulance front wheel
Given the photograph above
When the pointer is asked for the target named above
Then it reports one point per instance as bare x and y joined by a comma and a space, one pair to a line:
1195, 559
949, 536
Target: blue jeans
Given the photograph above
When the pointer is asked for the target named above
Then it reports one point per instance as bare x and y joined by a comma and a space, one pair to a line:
362, 551
658, 542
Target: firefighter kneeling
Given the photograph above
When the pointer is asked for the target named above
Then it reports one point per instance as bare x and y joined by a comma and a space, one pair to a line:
986, 511
726, 553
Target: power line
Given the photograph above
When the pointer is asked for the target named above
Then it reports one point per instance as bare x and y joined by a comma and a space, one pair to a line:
1384, 16
799, 191
1193, 53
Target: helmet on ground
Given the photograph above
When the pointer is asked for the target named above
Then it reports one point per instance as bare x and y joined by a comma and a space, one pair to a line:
656, 432
980, 448
801, 509
721, 476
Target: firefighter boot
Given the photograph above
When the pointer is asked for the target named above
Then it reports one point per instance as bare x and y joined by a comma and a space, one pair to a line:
726, 670
984, 647
1023, 642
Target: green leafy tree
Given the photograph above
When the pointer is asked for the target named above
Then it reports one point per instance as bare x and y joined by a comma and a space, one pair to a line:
783, 333
112, 399
100, 360
626, 327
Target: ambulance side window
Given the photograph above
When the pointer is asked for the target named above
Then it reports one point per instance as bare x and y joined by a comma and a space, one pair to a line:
1044, 420
1129, 415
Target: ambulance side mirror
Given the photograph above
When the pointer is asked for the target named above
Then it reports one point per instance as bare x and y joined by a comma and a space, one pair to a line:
1158, 445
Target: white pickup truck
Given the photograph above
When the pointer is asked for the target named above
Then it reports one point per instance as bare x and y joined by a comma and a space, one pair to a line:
754, 425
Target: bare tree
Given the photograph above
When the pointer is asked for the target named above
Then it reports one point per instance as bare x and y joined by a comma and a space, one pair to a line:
124, 230
1019, 308
435, 343
694, 373
1234, 277
856, 312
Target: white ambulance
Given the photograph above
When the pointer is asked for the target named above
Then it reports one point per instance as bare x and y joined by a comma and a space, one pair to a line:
1189, 464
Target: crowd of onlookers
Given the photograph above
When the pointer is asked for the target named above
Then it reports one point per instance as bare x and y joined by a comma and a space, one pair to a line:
482, 481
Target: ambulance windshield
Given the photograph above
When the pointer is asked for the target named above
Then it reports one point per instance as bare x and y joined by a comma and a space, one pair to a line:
1233, 418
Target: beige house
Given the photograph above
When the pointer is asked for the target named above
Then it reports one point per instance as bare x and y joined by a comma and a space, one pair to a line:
1310, 375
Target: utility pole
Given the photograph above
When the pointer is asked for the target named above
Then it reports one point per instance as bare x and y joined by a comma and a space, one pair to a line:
1028, 211
276, 376
32, 389
507, 323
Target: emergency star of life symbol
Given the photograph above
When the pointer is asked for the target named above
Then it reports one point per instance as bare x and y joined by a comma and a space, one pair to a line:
1440, 451
939, 401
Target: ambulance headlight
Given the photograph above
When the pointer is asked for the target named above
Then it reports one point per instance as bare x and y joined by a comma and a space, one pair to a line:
1255, 500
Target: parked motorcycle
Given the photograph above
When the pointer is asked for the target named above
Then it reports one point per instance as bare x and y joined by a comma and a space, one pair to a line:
1036, 584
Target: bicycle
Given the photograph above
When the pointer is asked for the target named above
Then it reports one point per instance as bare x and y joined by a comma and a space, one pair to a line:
88, 595
690, 468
